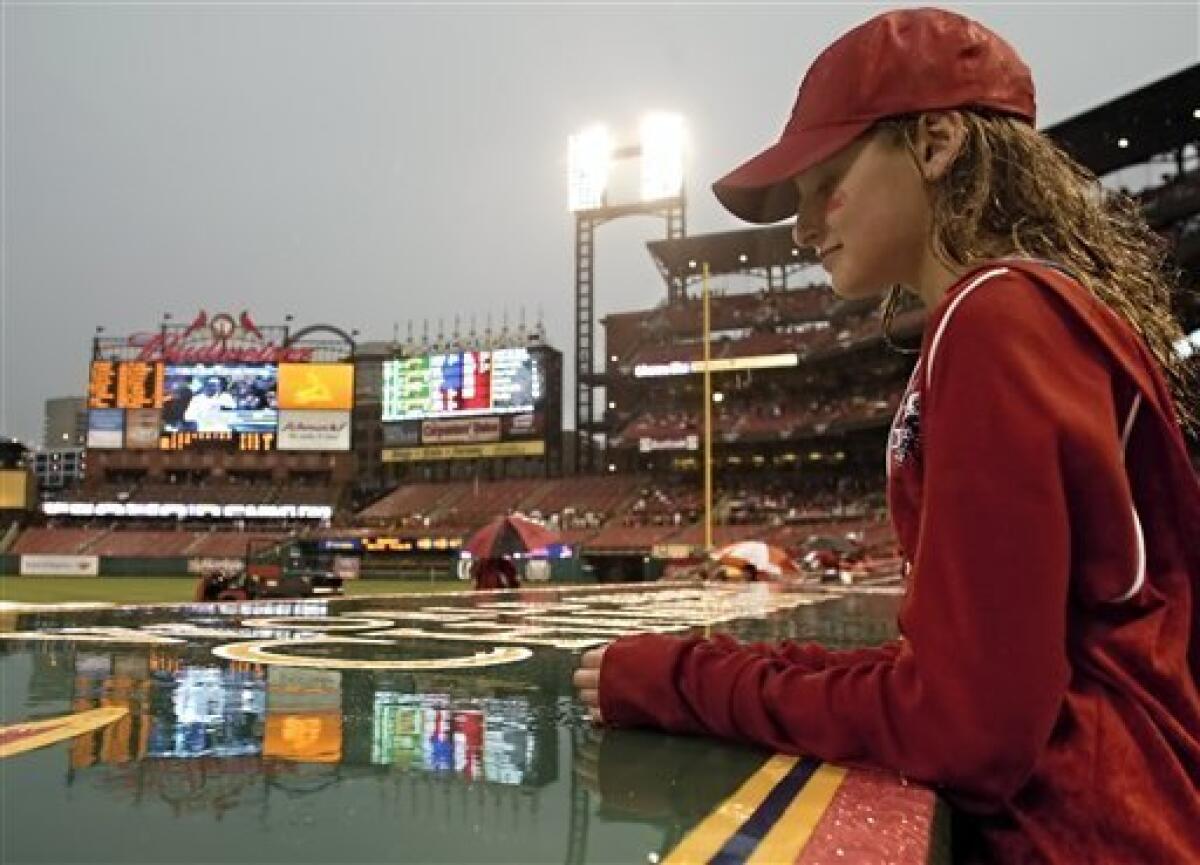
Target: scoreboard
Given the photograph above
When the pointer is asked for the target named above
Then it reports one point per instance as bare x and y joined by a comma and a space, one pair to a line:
149, 405
128, 384
139, 385
504, 381
102, 386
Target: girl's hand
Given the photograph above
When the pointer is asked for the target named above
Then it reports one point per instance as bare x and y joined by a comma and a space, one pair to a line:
587, 682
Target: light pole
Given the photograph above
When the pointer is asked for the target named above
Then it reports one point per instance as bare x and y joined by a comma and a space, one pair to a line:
590, 157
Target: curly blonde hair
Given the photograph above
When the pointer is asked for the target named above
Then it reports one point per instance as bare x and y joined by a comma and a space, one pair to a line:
1012, 192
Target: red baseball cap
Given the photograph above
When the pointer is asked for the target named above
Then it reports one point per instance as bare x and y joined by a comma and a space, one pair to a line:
900, 62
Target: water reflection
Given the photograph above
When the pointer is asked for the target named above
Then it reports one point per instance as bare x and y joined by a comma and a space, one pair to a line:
319, 765
180, 709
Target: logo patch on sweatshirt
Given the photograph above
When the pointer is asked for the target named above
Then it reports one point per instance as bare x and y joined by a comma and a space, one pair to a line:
905, 439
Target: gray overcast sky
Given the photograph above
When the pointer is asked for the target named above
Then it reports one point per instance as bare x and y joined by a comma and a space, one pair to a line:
368, 164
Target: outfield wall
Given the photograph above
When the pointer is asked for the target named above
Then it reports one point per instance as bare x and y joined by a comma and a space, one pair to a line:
37, 566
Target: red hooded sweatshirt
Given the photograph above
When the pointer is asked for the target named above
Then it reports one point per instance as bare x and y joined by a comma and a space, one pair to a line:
1046, 679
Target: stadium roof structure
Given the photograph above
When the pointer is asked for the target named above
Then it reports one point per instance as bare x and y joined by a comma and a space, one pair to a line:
737, 251
1154, 119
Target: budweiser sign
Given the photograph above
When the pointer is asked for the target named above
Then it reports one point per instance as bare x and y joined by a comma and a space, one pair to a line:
220, 338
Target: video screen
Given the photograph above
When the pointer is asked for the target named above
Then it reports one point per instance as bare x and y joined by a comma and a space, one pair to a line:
503, 381
220, 398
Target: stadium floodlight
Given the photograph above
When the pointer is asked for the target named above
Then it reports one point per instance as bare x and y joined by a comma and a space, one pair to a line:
1188, 345
589, 159
662, 140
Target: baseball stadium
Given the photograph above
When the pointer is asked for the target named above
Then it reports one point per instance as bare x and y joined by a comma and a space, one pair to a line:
309, 512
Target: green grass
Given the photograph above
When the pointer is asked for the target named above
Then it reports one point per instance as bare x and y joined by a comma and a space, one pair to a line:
361, 588
146, 590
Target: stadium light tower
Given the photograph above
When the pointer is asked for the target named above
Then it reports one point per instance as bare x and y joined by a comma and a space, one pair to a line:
591, 154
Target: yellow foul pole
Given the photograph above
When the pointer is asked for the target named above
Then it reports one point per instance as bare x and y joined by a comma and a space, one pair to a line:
708, 539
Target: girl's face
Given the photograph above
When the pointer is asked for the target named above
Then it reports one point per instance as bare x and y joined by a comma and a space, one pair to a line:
866, 212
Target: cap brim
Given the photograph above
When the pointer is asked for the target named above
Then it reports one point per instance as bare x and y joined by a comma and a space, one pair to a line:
762, 189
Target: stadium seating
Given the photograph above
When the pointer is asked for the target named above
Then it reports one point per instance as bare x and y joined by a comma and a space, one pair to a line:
220, 544
142, 544
580, 505
481, 502
54, 541
622, 538
411, 505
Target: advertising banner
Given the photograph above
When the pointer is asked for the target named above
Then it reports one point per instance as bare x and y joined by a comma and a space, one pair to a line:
44, 565
141, 428
208, 564
106, 428
316, 386
16, 486
403, 433
683, 443
524, 426
464, 452
460, 430
314, 431
347, 567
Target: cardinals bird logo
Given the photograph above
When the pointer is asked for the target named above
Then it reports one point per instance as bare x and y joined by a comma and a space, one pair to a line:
198, 323
314, 390
248, 325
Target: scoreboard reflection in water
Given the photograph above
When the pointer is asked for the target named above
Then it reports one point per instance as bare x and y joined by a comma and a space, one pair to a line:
488, 739
503, 381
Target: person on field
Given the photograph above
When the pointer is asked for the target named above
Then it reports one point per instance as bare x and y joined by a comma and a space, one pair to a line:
1046, 678
495, 573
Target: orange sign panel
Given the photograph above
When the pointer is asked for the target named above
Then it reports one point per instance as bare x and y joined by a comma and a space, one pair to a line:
316, 385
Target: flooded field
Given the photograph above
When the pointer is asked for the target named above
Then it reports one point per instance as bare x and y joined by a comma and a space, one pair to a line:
399, 729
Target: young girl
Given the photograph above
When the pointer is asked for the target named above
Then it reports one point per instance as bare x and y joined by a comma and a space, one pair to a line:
1039, 483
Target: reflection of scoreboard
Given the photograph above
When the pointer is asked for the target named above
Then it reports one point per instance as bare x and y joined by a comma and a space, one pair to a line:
490, 739
129, 384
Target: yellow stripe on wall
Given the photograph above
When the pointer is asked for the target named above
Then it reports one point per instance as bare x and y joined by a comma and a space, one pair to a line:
795, 826
710, 835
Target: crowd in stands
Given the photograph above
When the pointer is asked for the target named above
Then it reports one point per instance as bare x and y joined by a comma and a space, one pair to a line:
625, 513
665, 505
771, 330
1178, 195
565, 504
766, 307
777, 503
758, 416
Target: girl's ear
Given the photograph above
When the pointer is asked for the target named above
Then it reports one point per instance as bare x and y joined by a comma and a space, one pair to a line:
940, 138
